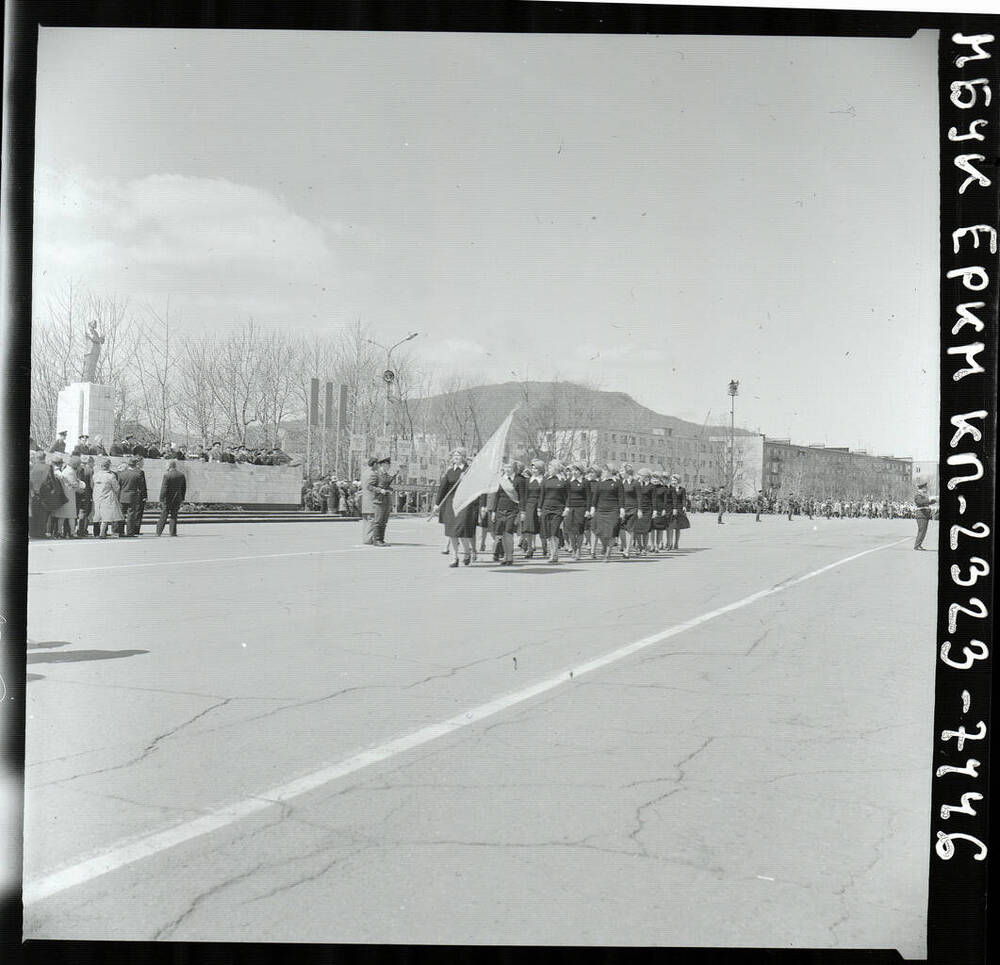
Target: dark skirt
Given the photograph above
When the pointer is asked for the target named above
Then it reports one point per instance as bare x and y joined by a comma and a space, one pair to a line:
679, 521
505, 522
551, 523
606, 523
642, 524
628, 524
529, 525
464, 525
573, 524
660, 522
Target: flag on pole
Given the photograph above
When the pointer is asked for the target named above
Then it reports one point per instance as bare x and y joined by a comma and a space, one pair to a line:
483, 474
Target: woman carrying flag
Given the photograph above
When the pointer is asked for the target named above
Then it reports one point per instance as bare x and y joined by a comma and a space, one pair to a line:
463, 526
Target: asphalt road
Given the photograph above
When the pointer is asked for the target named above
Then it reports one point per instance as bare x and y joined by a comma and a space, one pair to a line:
272, 734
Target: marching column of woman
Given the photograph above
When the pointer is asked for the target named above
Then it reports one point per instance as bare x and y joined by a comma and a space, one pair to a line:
575, 504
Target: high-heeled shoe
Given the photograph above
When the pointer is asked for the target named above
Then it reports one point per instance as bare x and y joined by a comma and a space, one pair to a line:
466, 561
453, 565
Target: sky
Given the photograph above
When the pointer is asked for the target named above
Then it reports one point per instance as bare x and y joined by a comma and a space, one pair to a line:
649, 214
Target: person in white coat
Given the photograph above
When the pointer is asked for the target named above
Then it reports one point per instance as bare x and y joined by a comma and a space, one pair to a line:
63, 520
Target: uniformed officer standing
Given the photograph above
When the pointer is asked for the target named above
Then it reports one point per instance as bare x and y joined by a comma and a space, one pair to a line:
383, 500
922, 514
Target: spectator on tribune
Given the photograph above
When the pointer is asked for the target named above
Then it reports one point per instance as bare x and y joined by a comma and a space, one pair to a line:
60, 442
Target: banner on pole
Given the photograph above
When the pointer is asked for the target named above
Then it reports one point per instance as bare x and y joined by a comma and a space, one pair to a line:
328, 406
483, 474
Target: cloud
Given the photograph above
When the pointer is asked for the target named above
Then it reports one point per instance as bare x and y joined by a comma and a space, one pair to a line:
231, 250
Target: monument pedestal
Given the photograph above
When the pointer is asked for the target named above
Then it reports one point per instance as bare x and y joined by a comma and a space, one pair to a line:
86, 408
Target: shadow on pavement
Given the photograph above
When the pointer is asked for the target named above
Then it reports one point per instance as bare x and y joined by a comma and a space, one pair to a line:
47, 644
523, 568
34, 676
75, 656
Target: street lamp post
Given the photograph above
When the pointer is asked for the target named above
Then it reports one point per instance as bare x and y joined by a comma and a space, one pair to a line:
734, 388
388, 376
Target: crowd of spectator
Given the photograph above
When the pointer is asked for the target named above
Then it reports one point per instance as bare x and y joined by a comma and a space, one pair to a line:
870, 507
134, 446
342, 497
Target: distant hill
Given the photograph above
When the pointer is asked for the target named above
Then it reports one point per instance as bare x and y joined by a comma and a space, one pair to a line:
550, 405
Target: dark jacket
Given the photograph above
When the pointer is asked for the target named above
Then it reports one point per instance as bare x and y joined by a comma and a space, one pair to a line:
553, 495
133, 486
173, 488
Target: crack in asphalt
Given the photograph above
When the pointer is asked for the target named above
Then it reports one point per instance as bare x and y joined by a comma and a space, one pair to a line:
759, 640
143, 754
855, 876
640, 820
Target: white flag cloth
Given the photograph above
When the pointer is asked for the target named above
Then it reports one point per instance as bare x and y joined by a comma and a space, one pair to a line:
483, 474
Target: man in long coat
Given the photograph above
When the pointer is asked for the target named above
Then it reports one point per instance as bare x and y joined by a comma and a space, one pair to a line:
173, 489
132, 495
369, 485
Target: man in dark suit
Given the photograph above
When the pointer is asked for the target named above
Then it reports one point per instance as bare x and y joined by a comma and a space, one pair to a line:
60, 444
172, 492
132, 495
117, 449
152, 452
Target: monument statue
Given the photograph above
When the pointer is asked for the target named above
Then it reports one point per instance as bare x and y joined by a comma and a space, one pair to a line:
96, 340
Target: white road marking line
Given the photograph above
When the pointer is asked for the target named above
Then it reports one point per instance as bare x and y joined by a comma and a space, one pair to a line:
143, 846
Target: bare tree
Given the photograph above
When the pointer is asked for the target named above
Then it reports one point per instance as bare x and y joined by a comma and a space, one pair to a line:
278, 382
196, 404
156, 372
236, 384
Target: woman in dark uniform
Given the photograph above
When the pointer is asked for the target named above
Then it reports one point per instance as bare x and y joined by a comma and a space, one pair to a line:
552, 508
629, 504
462, 527
505, 505
659, 510
529, 510
644, 509
589, 540
678, 520
577, 504
606, 509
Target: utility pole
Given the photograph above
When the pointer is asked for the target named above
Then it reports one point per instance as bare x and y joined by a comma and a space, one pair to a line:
388, 377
